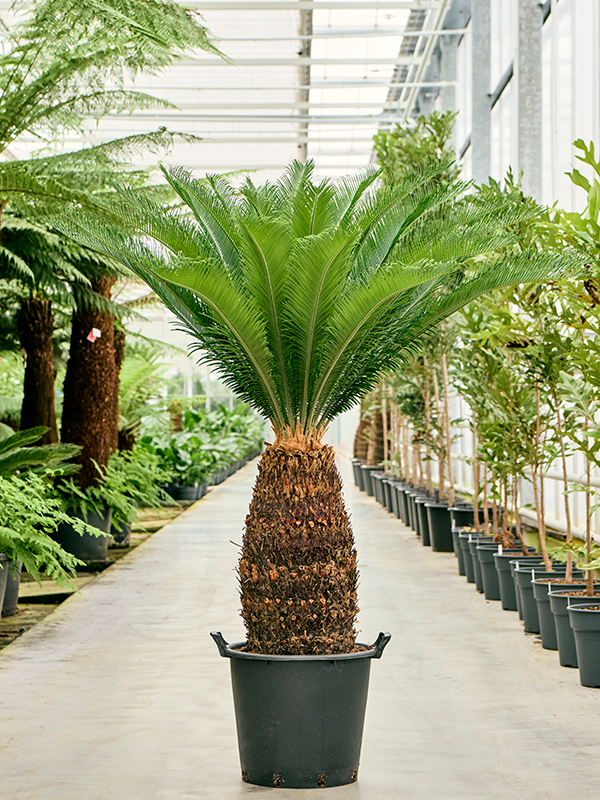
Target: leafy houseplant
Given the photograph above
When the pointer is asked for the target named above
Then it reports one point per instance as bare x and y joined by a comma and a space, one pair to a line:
302, 295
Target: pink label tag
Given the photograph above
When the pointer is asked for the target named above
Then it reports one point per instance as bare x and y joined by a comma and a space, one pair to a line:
94, 334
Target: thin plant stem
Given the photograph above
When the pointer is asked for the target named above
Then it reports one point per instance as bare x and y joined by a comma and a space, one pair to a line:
441, 457
559, 427
475, 476
517, 517
447, 430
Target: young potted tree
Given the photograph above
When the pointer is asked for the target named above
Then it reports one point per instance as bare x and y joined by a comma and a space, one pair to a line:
302, 295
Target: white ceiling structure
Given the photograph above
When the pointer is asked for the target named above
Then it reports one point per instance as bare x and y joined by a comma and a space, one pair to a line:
305, 79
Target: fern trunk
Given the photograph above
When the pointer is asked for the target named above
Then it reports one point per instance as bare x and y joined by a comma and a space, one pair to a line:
88, 410
297, 571
36, 330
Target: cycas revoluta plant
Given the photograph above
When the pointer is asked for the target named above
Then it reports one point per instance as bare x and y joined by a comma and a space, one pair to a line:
302, 295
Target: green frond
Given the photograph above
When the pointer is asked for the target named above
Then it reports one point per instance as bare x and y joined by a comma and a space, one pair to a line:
302, 295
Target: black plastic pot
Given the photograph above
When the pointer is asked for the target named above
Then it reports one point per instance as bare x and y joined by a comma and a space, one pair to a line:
541, 589
463, 543
300, 718
458, 551
423, 520
413, 496
506, 581
376, 478
533, 561
358, 476
461, 516
387, 494
394, 497
560, 600
440, 529
186, 493
120, 533
85, 546
401, 490
489, 574
474, 543
411, 508
10, 604
366, 473
585, 623
3, 578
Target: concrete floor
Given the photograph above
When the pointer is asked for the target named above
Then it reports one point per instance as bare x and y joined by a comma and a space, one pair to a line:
120, 694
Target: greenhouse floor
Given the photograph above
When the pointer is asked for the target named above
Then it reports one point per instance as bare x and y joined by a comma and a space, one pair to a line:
120, 693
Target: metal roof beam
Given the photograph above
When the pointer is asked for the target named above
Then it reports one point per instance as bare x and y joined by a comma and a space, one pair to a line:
360, 83
302, 5
348, 33
268, 106
298, 61
372, 119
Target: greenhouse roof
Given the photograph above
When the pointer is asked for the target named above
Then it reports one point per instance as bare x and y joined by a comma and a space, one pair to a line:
303, 80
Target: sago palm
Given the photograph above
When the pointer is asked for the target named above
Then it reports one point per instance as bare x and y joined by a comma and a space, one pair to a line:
301, 295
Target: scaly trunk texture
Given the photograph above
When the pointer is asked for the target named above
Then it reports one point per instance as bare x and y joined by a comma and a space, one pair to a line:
36, 329
88, 411
119, 344
297, 572
375, 439
360, 437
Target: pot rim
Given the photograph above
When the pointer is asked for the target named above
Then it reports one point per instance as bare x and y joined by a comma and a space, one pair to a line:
590, 601
227, 650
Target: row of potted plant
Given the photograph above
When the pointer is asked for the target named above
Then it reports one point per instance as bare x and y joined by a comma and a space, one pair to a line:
207, 448
559, 603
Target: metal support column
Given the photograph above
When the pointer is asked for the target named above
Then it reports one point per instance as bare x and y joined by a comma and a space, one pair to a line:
481, 139
528, 84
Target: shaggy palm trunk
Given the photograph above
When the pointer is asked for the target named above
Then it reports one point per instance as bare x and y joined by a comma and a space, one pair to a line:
360, 437
116, 439
88, 411
36, 329
297, 571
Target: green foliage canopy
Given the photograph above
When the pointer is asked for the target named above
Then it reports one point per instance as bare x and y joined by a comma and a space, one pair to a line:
303, 294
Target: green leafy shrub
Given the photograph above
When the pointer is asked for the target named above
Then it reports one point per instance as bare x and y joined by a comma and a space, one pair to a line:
29, 513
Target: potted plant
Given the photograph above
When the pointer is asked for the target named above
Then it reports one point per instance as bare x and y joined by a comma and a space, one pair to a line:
302, 295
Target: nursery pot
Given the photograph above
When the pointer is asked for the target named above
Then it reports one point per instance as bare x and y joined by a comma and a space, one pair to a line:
366, 473
560, 600
3, 576
411, 508
541, 589
187, 492
585, 624
376, 478
464, 538
299, 718
412, 497
422, 520
388, 484
486, 553
85, 546
461, 516
401, 490
356, 469
458, 551
440, 529
474, 543
393, 482
121, 534
506, 581
10, 605
533, 561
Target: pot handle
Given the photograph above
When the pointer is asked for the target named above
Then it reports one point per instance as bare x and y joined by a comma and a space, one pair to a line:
380, 644
221, 643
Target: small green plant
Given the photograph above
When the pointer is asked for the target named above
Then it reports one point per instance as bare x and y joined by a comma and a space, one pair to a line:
29, 514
